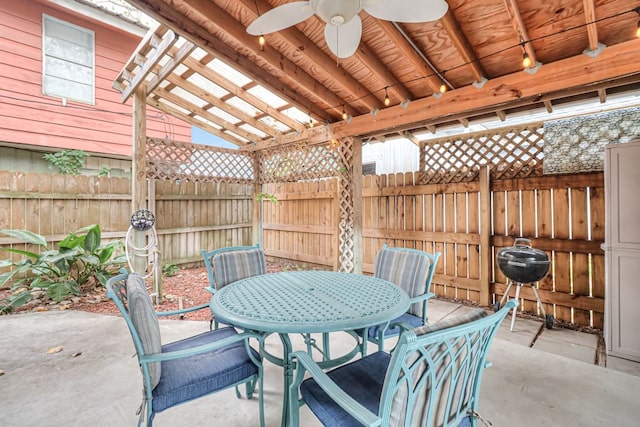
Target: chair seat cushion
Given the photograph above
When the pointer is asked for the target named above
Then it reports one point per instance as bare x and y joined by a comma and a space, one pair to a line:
410, 319
191, 377
362, 380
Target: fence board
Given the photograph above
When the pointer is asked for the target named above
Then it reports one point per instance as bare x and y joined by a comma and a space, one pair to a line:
303, 226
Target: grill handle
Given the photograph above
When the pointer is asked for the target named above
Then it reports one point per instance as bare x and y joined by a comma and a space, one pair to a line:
521, 241
517, 264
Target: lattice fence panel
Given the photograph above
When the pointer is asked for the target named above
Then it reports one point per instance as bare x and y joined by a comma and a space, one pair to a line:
298, 162
184, 161
509, 153
347, 214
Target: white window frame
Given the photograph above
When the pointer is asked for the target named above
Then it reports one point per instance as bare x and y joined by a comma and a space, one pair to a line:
46, 89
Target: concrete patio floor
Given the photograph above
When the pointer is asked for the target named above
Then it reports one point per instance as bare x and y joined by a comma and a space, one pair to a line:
95, 380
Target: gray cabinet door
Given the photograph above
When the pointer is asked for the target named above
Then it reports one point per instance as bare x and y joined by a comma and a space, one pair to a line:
622, 189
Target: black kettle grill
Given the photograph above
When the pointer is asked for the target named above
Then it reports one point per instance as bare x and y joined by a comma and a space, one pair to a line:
523, 264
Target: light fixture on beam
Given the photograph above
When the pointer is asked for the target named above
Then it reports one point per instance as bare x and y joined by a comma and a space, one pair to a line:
387, 101
261, 42
526, 60
344, 113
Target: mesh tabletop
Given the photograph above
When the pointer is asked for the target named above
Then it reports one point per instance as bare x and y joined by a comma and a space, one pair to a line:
309, 301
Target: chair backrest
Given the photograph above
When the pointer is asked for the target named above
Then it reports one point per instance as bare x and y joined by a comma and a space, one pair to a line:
411, 269
435, 371
130, 294
208, 263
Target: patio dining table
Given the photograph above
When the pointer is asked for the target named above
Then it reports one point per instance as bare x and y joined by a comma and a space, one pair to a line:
307, 302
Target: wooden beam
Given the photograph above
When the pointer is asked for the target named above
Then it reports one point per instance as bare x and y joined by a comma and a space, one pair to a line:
590, 18
167, 69
408, 53
241, 93
464, 48
501, 115
213, 15
154, 102
410, 136
231, 127
224, 106
602, 95
464, 122
368, 57
579, 74
144, 47
168, 15
521, 29
148, 65
317, 59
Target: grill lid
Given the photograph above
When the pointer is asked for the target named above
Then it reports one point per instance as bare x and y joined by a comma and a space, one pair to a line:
522, 263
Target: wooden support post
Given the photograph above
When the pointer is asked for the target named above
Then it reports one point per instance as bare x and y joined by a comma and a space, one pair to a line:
357, 206
485, 235
139, 171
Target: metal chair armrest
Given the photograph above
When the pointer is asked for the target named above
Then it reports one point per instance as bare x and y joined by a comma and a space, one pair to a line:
171, 355
183, 311
422, 297
346, 402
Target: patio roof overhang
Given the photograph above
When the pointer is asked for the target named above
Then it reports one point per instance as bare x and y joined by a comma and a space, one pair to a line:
201, 66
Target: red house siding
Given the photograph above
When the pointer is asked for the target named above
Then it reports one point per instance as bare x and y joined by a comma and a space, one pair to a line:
29, 117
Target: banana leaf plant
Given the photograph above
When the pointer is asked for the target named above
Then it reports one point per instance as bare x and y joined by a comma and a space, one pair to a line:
79, 262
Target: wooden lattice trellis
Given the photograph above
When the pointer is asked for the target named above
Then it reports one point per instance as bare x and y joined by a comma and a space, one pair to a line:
509, 153
347, 212
184, 161
298, 162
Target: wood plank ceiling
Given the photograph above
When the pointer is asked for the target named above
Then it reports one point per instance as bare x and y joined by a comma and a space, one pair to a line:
577, 48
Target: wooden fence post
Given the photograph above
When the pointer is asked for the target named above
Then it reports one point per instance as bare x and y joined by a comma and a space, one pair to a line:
485, 235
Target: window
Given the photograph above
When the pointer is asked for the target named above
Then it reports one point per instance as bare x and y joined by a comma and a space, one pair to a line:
369, 168
67, 60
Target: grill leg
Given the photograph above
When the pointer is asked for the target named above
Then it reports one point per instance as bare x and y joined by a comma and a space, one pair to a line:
535, 291
515, 309
506, 294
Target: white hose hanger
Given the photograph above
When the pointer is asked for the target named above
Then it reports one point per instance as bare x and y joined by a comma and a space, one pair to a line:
144, 221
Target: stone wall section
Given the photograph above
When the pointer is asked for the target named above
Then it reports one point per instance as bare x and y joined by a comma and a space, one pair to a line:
577, 145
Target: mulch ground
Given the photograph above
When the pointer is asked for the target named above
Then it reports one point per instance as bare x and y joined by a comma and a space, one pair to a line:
187, 285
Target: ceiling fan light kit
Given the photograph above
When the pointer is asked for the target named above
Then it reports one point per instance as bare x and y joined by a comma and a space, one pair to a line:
343, 29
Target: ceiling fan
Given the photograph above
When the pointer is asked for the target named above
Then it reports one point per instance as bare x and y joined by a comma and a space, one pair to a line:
343, 28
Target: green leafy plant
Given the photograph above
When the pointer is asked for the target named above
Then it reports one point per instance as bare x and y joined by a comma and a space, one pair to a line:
68, 162
105, 171
170, 270
261, 197
79, 263
296, 267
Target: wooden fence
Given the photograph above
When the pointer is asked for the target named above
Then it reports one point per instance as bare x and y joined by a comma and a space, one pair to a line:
189, 216
563, 215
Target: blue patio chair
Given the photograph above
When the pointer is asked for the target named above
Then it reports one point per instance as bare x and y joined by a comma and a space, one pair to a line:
230, 264
412, 270
184, 370
432, 378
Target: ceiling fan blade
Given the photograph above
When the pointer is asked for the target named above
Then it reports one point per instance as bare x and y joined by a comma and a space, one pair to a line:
281, 17
410, 11
343, 40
